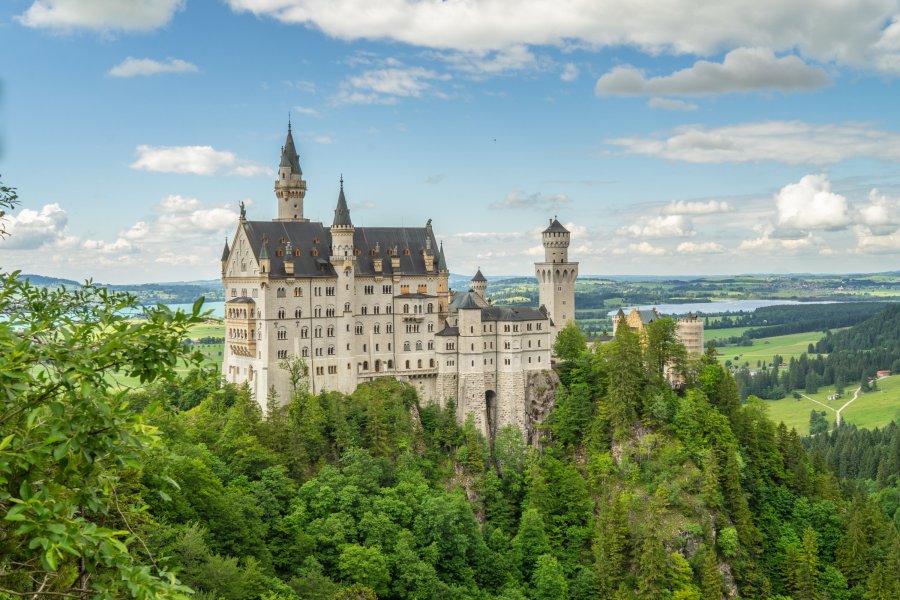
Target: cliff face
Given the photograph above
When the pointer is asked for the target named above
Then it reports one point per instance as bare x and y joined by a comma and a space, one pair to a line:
540, 398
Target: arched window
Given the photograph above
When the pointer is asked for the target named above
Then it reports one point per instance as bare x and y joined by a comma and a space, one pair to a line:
406, 346
419, 345
390, 364
304, 333
298, 313
405, 308
420, 363
407, 365
377, 328
347, 307
305, 352
281, 293
318, 332
430, 307
298, 292
365, 365
331, 331
280, 313
390, 328
431, 363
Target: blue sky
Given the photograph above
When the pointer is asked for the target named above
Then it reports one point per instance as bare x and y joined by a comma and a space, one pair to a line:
672, 136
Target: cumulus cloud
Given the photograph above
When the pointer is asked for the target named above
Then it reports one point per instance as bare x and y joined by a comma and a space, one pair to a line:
134, 67
492, 63
659, 227
882, 213
868, 242
700, 248
100, 15
742, 70
766, 244
517, 200
31, 229
846, 32
791, 142
570, 72
810, 204
386, 86
178, 204
683, 207
641, 248
198, 160
670, 104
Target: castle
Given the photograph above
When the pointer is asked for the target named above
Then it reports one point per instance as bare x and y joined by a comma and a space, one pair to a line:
689, 327
356, 303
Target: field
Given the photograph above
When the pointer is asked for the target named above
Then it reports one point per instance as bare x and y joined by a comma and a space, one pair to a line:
764, 349
712, 335
874, 409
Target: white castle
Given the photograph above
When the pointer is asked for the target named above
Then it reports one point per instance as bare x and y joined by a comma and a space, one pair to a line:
356, 303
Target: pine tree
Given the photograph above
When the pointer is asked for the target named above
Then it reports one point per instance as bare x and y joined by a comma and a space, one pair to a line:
710, 577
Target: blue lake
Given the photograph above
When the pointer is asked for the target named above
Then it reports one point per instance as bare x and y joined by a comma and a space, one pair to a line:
715, 307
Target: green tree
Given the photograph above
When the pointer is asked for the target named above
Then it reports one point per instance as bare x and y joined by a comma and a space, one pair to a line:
663, 349
570, 343
710, 577
366, 566
9, 199
531, 540
70, 446
622, 358
549, 581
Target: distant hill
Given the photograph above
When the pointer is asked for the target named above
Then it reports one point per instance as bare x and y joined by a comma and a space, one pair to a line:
43, 281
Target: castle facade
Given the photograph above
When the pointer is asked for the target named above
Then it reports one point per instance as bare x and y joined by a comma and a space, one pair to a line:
356, 303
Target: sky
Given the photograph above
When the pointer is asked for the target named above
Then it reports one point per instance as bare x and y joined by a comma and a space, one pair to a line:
672, 137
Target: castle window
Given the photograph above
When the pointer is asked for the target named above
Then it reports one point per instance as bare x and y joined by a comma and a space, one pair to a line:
243, 291
407, 365
315, 252
332, 370
539, 343
304, 333
298, 292
390, 364
305, 352
282, 334
423, 289
539, 326
365, 348
529, 343
320, 370
364, 310
280, 293
430, 344
529, 359
418, 344
329, 291
430, 327
296, 250
386, 289
347, 307
506, 345
365, 365
404, 289
318, 332
406, 252
282, 354
506, 328
318, 352
280, 252
369, 290
317, 291
506, 361
377, 328
431, 362
317, 311
389, 309
389, 328
419, 363
329, 312
430, 307
359, 329
471, 329
331, 350
405, 309
539, 359
280, 313
234, 292
331, 331
451, 346
243, 265
298, 313
406, 347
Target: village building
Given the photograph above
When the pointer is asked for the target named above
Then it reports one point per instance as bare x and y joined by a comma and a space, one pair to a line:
689, 326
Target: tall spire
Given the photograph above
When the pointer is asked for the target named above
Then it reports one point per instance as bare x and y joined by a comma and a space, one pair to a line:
341, 212
442, 261
226, 251
289, 156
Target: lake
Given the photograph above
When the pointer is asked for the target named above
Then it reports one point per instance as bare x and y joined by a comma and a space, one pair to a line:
715, 306
218, 308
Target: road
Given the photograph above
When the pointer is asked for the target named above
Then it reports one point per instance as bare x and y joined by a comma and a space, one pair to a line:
837, 413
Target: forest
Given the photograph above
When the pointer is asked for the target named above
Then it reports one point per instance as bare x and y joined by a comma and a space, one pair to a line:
843, 358
186, 488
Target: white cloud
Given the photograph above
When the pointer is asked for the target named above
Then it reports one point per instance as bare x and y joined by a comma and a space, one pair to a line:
178, 204
791, 142
100, 15
133, 67
119, 246
659, 227
670, 104
642, 248
700, 248
570, 72
810, 204
199, 160
850, 33
742, 70
881, 211
363, 206
31, 229
490, 235
492, 63
766, 244
682, 207
518, 199
869, 243
385, 86
304, 110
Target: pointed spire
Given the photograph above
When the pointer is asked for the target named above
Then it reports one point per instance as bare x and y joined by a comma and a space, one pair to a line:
264, 252
289, 156
341, 212
226, 251
479, 276
442, 261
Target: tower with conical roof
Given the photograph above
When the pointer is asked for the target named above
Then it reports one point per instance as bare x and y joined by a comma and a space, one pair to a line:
290, 187
556, 277
479, 284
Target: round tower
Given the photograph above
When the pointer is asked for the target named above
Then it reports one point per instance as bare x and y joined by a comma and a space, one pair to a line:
479, 285
556, 277
290, 187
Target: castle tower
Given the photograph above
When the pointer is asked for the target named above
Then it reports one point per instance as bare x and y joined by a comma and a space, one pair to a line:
443, 290
556, 277
343, 258
290, 187
225, 254
479, 285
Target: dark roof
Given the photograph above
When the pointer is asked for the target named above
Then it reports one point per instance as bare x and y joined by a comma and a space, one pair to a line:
289, 156
303, 235
442, 261
648, 316
415, 296
263, 250
241, 300
479, 276
621, 313
555, 227
341, 212
449, 331
466, 301
225, 252
511, 313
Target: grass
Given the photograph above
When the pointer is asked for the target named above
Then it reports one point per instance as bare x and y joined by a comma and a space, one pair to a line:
878, 407
764, 349
795, 413
711, 335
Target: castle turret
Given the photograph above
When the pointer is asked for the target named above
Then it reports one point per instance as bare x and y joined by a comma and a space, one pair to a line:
343, 258
556, 277
225, 253
290, 187
265, 265
479, 284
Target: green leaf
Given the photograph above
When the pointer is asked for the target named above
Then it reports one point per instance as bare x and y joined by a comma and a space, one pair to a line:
7, 440
60, 451
15, 513
50, 559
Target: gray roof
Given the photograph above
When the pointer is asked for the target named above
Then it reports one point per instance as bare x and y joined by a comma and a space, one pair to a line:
225, 252
452, 331
442, 260
648, 316
479, 276
415, 296
470, 298
289, 156
341, 212
241, 300
555, 227
307, 236
512, 313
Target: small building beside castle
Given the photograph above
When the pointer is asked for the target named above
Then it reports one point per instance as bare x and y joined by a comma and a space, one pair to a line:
357, 303
689, 326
